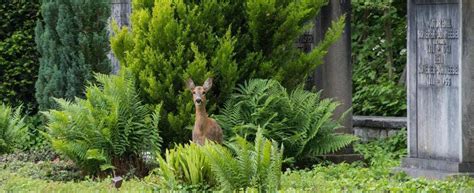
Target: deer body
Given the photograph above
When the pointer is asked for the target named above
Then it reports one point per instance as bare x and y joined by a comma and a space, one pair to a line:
205, 128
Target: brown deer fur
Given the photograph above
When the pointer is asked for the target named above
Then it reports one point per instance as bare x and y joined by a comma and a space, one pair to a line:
204, 127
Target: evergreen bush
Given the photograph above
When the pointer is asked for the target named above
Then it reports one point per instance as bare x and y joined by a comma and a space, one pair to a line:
72, 41
229, 40
18, 56
110, 129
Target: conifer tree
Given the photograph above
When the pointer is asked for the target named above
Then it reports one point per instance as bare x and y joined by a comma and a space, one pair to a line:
229, 40
72, 41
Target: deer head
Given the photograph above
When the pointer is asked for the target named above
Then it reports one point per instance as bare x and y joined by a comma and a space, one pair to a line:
199, 92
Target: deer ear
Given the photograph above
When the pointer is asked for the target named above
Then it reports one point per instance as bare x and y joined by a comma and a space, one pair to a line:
208, 84
190, 84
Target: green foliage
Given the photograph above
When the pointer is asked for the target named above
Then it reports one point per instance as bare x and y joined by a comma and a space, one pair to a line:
232, 41
185, 167
29, 156
357, 178
34, 177
36, 141
18, 56
14, 182
255, 165
379, 57
241, 166
385, 98
300, 119
384, 152
110, 129
72, 41
46, 170
13, 130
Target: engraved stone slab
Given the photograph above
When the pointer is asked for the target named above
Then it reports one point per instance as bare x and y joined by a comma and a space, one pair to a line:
440, 87
437, 83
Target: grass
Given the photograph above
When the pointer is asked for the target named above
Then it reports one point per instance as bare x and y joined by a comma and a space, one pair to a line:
373, 175
322, 178
357, 178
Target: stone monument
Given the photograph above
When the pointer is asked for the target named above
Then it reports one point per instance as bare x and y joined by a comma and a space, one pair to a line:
440, 88
334, 76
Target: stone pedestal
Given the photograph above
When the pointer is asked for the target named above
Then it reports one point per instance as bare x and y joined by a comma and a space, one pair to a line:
440, 88
334, 76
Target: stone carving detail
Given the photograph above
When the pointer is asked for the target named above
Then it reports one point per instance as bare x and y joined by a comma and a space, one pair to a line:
306, 41
436, 37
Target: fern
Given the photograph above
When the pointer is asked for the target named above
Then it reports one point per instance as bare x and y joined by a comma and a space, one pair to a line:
223, 166
185, 165
300, 120
254, 166
238, 166
110, 129
13, 130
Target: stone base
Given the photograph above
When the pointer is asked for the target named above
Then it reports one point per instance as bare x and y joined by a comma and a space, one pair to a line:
346, 155
435, 169
340, 158
431, 174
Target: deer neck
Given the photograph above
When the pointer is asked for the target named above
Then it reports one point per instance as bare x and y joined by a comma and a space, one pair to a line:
201, 116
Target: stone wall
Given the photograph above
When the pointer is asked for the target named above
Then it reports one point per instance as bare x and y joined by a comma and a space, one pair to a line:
372, 127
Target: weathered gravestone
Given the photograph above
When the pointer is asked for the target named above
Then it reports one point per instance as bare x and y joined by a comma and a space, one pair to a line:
440, 88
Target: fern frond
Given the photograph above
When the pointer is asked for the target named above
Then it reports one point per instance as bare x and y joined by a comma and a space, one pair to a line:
13, 130
296, 119
330, 143
111, 120
224, 166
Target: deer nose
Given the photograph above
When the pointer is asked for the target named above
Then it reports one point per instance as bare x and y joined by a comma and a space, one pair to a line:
198, 100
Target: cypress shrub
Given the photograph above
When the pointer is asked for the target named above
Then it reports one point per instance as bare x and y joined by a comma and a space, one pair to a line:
229, 40
73, 44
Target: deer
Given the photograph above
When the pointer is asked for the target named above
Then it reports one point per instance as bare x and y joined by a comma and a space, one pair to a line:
205, 128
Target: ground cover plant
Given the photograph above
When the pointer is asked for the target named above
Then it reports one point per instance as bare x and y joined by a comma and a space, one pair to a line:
326, 177
298, 119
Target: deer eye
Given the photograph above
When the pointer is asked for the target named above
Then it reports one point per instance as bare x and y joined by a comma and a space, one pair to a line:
203, 92
194, 92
